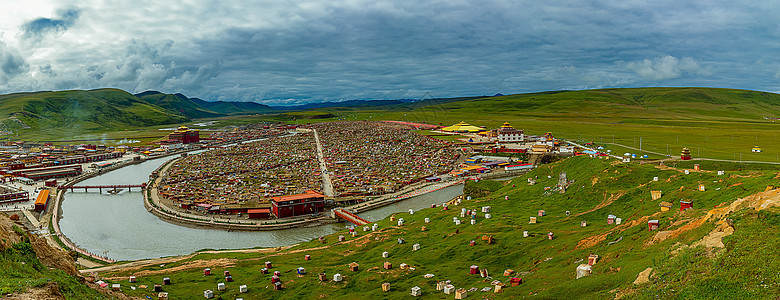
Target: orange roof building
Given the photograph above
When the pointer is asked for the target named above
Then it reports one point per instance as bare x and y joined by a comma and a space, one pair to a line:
309, 202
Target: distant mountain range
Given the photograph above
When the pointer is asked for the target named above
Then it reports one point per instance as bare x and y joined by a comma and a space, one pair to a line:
68, 113
195, 108
348, 103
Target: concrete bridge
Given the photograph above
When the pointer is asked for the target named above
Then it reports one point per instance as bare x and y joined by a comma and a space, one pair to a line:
101, 187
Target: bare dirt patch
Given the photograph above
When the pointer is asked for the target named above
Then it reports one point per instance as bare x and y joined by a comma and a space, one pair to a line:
195, 264
607, 201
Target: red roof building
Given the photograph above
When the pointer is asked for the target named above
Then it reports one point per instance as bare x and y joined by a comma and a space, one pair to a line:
309, 202
185, 135
259, 213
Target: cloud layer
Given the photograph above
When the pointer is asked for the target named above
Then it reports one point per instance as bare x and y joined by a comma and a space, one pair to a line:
284, 52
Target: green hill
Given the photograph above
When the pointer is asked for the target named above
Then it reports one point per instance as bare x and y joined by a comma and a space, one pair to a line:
179, 104
234, 107
195, 108
670, 103
683, 253
71, 112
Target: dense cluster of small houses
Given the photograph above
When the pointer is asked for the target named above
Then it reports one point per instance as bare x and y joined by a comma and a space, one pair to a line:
380, 157
363, 158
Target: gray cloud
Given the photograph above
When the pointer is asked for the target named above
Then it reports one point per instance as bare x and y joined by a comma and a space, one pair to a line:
12, 63
40, 27
322, 50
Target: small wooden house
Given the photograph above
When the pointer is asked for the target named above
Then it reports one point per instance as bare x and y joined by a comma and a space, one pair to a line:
665, 206
655, 195
353, 266
323, 277
652, 225
208, 294
337, 277
278, 285
307, 257
611, 219
474, 269
301, 271
132, 279
166, 281
483, 273
686, 204
386, 287
515, 281
532, 220
206, 271
221, 286
449, 289
592, 259
542, 213
550, 236
461, 294
162, 296
387, 265
244, 288
268, 264
416, 291
385, 254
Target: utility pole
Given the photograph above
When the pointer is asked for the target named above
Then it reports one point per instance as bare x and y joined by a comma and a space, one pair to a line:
640, 143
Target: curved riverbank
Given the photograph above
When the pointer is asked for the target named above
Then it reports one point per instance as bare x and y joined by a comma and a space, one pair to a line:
153, 204
56, 211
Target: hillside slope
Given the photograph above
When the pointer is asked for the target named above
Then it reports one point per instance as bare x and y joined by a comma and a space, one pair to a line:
80, 111
31, 269
234, 107
684, 103
179, 104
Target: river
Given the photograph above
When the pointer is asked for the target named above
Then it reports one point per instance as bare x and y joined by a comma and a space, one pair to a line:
121, 225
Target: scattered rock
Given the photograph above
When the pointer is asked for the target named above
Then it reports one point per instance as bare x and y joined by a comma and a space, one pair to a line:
644, 276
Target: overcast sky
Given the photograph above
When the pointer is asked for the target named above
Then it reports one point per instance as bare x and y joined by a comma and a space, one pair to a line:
284, 52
